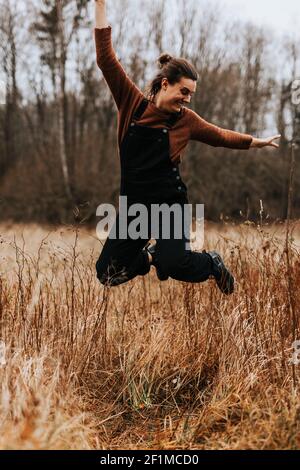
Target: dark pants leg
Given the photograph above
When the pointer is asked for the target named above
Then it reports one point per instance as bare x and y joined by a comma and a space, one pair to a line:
122, 259
181, 264
175, 258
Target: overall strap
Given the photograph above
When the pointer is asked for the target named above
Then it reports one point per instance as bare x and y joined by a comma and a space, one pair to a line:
140, 109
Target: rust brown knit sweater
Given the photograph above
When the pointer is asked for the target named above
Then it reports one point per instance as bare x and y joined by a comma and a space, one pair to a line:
127, 96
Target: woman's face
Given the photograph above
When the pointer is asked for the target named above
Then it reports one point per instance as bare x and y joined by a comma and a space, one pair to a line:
174, 97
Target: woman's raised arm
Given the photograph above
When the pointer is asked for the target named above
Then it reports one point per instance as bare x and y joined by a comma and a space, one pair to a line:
126, 94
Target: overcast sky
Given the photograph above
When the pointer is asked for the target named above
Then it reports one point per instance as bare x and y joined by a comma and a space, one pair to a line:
283, 15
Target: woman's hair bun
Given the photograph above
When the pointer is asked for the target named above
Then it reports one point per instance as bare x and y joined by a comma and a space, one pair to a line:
164, 59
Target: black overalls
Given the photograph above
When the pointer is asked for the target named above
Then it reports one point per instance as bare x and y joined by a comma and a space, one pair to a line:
148, 176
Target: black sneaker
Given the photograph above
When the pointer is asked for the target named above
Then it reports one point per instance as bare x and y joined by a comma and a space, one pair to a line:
151, 249
224, 279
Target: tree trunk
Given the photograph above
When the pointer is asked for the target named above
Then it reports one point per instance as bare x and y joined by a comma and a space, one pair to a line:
61, 103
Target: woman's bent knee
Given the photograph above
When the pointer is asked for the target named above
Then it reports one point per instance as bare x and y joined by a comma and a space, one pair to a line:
109, 277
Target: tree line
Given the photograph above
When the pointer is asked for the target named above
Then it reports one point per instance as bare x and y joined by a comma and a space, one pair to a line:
58, 121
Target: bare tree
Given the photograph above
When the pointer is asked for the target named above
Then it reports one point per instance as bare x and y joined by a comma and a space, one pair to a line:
9, 19
257, 90
58, 21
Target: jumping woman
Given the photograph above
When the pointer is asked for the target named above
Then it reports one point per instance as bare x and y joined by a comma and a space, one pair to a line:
153, 131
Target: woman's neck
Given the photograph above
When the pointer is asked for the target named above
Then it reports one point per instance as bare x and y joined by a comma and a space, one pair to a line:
157, 102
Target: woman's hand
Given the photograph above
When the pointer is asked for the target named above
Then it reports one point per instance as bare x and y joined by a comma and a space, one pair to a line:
100, 14
269, 142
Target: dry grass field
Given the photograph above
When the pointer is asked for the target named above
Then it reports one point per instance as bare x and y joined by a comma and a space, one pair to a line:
148, 365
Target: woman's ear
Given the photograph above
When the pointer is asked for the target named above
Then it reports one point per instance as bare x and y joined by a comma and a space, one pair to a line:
164, 83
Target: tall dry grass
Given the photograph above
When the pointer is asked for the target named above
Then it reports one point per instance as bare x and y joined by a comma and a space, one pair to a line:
148, 364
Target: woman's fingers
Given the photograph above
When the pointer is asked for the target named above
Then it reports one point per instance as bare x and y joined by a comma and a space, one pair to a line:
273, 144
260, 143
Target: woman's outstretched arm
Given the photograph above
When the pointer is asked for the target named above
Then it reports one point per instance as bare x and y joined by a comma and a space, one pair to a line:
126, 94
210, 134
